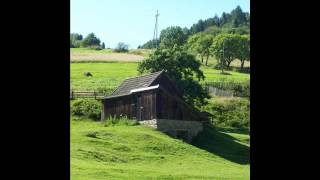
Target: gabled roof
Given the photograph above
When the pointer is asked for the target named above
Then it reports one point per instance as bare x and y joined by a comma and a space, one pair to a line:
136, 83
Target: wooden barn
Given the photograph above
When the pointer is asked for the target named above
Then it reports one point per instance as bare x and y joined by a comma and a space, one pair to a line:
154, 100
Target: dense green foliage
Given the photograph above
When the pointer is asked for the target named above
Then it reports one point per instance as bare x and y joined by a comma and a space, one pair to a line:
121, 47
90, 41
234, 112
243, 49
235, 22
172, 36
137, 152
86, 107
201, 44
75, 40
228, 47
181, 67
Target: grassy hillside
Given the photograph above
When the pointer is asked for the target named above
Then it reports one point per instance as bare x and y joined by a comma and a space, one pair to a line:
110, 75
137, 152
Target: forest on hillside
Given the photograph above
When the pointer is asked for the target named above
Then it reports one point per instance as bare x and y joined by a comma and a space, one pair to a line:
235, 22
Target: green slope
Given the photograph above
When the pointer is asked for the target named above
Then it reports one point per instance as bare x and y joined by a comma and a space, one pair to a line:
137, 152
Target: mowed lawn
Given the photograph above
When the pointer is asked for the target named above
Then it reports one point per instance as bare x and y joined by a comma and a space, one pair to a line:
110, 75
138, 152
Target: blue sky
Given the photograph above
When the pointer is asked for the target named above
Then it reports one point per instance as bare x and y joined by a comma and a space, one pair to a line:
132, 21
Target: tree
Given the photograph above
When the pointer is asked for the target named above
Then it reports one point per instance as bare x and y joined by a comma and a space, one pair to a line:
225, 19
76, 36
103, 46
181, 67
224, 47
75, 40
171, 36
90, 41
243, 49
201, 43
238, 17
216, 19
121, 47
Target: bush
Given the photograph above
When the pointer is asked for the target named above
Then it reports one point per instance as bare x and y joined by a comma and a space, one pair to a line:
233, 113
86, 107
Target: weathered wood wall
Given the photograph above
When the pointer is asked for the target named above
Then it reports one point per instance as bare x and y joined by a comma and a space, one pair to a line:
154, 104
140, 106
119, 107
170, 107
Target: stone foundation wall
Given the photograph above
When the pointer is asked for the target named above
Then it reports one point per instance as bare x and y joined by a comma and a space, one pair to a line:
151, 123
172, 127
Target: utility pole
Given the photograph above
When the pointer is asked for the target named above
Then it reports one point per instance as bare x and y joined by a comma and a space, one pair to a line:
155, 32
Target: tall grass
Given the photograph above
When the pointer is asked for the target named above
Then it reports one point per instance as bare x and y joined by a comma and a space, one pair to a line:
121, 121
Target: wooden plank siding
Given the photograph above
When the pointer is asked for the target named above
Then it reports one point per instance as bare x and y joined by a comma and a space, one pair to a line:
140, 106
150, 105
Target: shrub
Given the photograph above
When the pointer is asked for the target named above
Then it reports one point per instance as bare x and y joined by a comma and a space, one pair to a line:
86, 107
233, 113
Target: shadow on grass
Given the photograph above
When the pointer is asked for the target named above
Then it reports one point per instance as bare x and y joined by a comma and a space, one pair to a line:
245, 70
244, 131
222, 145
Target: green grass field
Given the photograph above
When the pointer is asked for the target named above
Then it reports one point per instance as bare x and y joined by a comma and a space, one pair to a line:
137, 152
110, 75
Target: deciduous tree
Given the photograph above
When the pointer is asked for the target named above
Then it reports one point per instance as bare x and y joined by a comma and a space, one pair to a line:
182, 68
172, 36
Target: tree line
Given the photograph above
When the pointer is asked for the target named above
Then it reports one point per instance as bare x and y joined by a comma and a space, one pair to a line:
235, 22
93, 42
90, 41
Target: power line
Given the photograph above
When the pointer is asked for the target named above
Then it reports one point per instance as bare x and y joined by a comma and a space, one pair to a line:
155, 32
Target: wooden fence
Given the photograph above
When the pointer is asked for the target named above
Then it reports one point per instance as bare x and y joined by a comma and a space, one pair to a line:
86, 94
